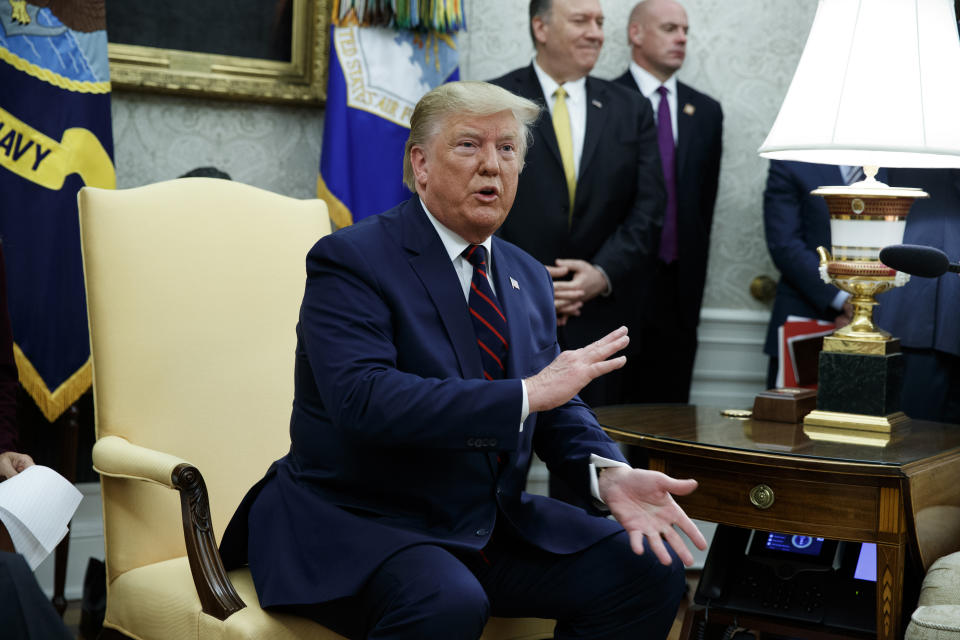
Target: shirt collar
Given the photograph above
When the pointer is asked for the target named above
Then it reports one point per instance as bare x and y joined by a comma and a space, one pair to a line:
452, 242
576, 89
649, 83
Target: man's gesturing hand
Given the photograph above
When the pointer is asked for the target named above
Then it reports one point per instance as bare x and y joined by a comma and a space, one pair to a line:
572, 370
640, 500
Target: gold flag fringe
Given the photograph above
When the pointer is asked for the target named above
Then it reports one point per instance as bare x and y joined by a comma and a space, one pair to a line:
442, 16
55, 403
339, 213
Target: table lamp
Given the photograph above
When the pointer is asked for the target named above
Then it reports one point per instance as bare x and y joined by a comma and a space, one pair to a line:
877, 85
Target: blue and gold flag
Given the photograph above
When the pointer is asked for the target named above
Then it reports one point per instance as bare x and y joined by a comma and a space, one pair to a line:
55, 137
377, 75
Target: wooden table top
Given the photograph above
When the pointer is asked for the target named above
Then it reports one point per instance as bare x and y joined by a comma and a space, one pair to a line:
684, 425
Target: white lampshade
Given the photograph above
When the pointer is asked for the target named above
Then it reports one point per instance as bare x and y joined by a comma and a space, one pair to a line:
878, 84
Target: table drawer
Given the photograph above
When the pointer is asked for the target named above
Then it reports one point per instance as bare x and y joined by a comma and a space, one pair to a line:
789, 500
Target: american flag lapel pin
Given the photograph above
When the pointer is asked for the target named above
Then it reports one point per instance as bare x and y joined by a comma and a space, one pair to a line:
514, 284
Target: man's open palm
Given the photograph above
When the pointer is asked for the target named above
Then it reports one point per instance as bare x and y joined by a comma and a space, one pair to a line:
641, 501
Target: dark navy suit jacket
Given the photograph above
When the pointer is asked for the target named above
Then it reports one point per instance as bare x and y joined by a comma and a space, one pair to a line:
925, 313
699, 147
618, 208
394, 433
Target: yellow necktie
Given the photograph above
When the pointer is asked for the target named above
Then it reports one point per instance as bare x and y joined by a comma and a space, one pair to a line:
561, 126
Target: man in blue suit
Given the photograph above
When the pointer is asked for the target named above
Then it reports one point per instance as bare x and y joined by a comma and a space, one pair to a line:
925, 313
427, 375
796, 223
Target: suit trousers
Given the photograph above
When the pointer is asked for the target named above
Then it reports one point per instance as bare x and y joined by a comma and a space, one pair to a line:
605, 592
25, 612
668, 347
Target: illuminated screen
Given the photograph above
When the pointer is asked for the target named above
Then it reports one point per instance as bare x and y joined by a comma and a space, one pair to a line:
807, 545
867, 563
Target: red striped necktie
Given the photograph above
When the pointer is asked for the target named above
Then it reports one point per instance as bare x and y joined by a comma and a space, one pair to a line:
489, 322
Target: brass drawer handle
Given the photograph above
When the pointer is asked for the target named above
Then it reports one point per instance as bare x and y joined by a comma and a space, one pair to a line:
761, 496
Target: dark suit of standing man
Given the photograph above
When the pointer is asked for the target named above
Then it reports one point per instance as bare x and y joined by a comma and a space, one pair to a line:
598, 253
426, 377
925, 313
657, 33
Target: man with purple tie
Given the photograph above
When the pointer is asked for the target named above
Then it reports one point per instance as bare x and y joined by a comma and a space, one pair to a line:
689, 130
427, 375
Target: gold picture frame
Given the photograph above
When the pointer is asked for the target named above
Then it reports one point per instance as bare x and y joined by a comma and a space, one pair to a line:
301, 80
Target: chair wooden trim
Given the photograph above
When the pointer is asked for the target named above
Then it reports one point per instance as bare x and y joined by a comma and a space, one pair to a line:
217, 596
116, 457
70, 423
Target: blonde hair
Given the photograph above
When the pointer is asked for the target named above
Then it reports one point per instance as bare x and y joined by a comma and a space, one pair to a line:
465, 98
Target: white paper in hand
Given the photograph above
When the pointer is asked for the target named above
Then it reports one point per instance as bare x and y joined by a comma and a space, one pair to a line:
35, 506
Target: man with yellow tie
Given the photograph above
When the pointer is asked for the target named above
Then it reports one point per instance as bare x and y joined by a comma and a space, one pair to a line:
590, 200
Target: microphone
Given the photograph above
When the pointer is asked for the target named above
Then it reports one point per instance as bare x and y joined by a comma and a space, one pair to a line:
917, 260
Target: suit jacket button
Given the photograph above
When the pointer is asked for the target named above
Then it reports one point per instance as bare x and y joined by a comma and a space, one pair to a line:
481, 532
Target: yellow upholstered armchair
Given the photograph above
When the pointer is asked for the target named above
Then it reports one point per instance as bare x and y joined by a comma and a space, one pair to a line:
193, 292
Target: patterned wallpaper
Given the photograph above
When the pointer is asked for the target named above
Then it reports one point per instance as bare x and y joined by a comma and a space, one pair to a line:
742, 53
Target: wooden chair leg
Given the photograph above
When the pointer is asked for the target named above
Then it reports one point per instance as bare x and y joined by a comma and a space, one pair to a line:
69, 426
61, 556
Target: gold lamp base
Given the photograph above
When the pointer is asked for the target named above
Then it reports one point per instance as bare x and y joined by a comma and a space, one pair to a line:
855, 421
847, 436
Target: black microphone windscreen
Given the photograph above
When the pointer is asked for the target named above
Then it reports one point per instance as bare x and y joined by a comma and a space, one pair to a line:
917, 260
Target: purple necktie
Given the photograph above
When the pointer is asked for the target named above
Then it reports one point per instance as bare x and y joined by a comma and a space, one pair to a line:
488, 320
668, 239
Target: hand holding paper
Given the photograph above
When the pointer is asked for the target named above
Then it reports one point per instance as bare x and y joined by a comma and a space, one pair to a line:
35, 506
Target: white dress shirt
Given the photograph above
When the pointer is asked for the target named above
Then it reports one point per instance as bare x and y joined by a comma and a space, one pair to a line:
649, 84
576, 91
454, 246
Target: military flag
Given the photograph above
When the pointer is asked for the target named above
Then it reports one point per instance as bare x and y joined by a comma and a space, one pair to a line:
384, 56
55, 137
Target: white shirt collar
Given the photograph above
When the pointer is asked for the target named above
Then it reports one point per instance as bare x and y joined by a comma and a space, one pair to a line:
649, 83
452, 242
576, 90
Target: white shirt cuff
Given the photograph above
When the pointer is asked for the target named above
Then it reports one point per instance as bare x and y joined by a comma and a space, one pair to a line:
839, 299
609, 288
599, 462
525, 407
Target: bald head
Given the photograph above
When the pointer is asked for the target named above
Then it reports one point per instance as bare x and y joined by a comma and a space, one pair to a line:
657, 33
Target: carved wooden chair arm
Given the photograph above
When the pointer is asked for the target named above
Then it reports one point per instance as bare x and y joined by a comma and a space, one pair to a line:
116, 457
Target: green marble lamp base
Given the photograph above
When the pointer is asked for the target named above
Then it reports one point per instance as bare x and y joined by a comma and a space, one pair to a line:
858, 391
